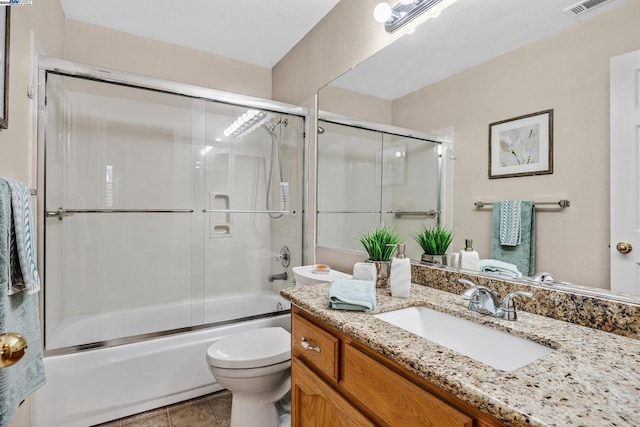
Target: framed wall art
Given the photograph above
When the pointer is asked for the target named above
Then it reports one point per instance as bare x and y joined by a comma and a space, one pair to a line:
521, 146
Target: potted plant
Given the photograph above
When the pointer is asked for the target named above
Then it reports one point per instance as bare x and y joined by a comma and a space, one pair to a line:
380, 243
434, 241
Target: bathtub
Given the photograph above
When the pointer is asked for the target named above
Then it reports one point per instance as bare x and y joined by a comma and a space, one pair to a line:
99, 385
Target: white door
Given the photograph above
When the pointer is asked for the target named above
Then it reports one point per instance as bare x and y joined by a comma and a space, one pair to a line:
625, 173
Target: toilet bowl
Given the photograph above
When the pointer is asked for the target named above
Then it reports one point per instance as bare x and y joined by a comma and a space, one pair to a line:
309, 275
255, 366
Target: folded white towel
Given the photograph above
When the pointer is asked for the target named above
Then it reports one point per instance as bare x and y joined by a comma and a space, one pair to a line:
500, 267
365, 271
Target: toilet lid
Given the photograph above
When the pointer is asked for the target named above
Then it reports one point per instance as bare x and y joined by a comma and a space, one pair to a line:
251, 349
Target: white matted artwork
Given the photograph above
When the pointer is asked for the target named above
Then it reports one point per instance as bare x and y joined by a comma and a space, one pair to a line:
521, 146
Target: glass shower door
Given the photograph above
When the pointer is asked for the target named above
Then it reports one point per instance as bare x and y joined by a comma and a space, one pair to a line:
252, 196
119, 182
411, 182
349, 184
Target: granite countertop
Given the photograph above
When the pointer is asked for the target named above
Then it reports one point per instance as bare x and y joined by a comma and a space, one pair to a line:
592, 378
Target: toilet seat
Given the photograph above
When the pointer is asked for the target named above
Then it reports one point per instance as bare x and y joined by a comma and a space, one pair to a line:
251, 349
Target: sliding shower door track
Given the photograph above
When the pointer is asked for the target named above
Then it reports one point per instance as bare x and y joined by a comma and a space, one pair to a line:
153, 335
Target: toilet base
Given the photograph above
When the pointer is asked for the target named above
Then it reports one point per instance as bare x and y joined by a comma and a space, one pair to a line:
250, 410
247, 411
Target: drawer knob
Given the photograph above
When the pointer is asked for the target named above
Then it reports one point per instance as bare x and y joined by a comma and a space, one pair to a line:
308, 346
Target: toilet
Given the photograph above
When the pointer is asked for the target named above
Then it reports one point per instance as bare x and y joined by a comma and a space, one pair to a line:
255, 366
308, 275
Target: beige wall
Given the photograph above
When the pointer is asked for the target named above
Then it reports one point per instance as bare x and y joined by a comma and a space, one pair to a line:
95, 45
45, 21
352, 104
568, 72
343, 38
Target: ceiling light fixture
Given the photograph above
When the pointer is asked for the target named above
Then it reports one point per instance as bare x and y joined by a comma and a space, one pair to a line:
406, 11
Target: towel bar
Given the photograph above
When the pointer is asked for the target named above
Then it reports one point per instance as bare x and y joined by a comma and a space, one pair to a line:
399, 214
430, 213
561, 203
61, 212
349, 212
243, 211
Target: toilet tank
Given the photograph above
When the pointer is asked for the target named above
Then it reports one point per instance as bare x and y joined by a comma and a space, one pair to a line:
312, 274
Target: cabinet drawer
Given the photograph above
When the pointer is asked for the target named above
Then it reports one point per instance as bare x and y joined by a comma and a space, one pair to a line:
315, 346
402, 403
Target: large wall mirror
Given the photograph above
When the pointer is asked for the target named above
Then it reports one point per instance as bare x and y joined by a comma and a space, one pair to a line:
483, 62
370, 175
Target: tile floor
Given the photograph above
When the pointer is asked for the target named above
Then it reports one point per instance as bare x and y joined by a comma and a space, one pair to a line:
213, 410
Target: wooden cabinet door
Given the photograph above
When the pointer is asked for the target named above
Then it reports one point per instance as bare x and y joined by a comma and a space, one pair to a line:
393, 398
315, 403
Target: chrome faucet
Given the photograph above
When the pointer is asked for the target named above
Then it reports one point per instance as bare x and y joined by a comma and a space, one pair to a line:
482, 300
281, 276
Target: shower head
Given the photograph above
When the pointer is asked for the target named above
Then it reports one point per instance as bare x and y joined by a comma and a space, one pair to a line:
282, 122
320, 130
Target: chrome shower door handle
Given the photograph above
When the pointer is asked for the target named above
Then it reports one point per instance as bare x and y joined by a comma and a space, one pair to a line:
305, 344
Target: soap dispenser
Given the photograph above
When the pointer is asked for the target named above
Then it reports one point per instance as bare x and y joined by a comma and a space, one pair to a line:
400, 275
469, 259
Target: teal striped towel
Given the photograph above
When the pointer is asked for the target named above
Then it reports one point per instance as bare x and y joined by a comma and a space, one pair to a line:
522, 255
18, 313
510, 225
350, 294
24, 271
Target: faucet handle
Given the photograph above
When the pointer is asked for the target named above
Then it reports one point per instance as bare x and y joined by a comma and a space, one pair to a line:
472, 289
509, 307
543, 277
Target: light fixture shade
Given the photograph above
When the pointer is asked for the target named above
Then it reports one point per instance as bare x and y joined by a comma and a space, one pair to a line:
382, 12
407, 10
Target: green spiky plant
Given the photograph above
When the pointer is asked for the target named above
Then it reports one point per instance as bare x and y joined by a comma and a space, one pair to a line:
434, 240
380, 243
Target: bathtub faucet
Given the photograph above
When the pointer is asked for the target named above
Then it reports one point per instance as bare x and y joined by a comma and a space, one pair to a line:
281, 276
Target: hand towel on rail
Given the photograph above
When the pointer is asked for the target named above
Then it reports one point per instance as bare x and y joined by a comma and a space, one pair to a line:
18, 313
25, 271
523, 254
510, 222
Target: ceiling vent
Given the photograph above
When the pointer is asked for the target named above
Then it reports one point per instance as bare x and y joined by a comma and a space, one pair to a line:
584, 7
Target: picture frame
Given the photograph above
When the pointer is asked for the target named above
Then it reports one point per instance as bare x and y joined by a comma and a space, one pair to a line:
521, 146
5, 20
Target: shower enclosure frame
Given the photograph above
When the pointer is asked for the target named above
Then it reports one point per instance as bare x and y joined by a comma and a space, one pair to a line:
62, 67
341, 257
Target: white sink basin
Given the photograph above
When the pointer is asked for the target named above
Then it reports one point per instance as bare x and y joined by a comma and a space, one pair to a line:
495, 348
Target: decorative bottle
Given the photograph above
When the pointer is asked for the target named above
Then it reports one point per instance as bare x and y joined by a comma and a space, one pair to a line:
400, 275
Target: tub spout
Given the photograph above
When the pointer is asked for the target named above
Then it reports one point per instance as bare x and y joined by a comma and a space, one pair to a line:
281, 276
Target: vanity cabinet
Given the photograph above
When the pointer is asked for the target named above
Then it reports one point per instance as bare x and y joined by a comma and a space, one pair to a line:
337, 381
